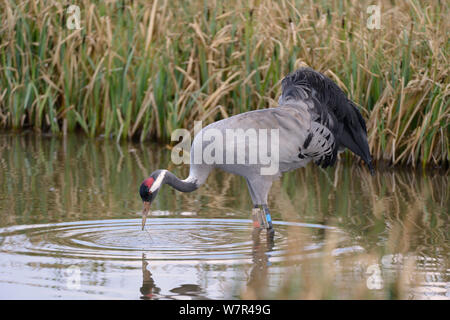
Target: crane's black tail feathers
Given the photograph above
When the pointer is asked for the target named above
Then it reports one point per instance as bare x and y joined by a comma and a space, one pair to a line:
335, 110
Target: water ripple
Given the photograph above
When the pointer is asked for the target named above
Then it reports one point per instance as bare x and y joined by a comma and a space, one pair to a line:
165, 239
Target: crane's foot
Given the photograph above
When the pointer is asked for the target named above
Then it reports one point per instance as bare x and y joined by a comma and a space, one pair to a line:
262, 219
267, 218
257, 217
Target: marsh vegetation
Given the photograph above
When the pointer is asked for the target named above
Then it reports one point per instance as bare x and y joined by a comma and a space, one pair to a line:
140, 69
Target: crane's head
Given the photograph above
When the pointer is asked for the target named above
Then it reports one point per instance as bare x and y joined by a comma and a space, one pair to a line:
148, 191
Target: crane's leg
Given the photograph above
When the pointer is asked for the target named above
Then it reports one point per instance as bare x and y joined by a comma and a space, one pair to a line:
257, 214
262, 218
267, 218
257, 217
260, 212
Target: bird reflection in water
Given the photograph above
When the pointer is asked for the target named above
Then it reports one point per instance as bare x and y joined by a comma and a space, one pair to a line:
149, 290
258, 274
194, 291
260, 258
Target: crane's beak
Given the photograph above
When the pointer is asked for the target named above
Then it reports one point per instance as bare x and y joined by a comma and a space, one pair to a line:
145, 212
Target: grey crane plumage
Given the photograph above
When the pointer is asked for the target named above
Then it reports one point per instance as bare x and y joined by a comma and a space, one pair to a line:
314, 120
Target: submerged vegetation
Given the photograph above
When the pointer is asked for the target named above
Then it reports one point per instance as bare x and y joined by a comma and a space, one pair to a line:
140, 69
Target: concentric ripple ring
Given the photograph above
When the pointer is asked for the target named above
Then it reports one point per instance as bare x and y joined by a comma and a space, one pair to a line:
165, 239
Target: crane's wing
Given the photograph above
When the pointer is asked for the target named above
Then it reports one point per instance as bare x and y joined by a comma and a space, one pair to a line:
299, 139
329, 108
314, 121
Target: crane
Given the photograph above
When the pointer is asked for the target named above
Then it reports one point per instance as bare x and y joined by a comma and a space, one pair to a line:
314, 120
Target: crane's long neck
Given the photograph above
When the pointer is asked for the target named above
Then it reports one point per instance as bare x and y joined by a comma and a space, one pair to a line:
186, 185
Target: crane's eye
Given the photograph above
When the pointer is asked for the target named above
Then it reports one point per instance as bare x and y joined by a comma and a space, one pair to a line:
145, 193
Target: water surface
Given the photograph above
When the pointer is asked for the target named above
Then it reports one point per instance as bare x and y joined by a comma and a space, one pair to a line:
70, 228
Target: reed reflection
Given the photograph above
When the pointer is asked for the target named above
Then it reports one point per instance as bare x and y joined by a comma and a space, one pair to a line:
397, 215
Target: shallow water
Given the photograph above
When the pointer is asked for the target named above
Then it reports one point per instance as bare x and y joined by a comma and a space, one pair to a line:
70, 228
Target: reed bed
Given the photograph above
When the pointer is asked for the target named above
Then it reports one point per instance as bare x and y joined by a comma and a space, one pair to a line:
139, 69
